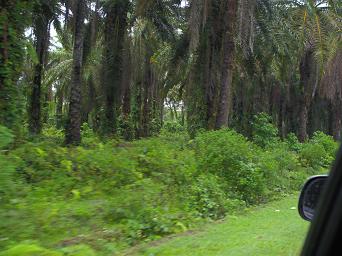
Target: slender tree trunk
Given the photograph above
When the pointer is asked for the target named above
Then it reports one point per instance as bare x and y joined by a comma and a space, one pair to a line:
227, 65
210, 89
182, 115
175, 110
306, 73
4, 76
126, 102
73, 129
172, 115
48, 91
126, 111
336, 120
138, 107
66, 15
59, 108
282, 112
35, 109
3, 48
303, 121
308, 80
147, 100
126, 92
94, 24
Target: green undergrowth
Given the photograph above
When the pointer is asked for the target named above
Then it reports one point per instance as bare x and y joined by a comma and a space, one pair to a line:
103, 197
272, 229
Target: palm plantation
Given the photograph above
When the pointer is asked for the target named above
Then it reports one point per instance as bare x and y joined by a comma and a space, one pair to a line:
122, 122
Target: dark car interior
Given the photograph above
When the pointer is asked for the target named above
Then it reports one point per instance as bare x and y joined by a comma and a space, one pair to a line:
321, 203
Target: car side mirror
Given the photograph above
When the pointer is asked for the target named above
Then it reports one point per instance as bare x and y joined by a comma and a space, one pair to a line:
310, 195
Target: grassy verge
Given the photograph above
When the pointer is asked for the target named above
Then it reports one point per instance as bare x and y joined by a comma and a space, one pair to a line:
273, 229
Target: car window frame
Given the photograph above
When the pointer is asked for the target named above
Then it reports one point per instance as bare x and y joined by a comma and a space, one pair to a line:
325, 225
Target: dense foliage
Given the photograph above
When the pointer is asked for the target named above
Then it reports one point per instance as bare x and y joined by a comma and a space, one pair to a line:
123, 121
126, 67
106, 195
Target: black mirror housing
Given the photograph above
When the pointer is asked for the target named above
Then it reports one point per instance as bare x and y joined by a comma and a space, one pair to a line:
310, 196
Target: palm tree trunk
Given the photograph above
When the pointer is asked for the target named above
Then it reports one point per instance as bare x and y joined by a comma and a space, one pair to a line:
126, 93
42, 36
59, 108
66, 15
336, 119
147, 99
303, 121
73, 129
4, 44
308, 80
115, 29
3, 47
138, 112
227, 65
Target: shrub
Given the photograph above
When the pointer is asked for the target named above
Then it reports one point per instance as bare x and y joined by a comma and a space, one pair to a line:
328, 142
264, 132
146, 209
173, 127
6, 137
7, 165
283, 170
208, 197
319, 152
125, 127
293, 142
53, 134
165, 160
89, 138
229, 155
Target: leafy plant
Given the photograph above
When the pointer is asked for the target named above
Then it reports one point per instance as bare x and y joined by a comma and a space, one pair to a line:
264, 131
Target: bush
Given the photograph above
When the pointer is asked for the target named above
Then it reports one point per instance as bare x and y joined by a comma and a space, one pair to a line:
208, 197
173, 127
328, 142
293, 142
283, 170
250, 173
53, 134
229, 155
7, 165
264, 132
6, 137
318, 153
147, 209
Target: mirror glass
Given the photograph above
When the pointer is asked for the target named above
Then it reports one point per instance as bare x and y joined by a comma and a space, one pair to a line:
310, 195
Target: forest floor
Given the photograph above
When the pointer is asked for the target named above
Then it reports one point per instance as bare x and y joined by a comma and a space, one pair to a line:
272, 229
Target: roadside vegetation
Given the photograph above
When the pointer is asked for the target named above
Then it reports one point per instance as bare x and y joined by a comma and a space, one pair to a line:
126, 121
105, 196
272, 229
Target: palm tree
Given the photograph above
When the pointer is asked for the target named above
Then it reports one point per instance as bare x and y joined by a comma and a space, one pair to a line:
44, 12
228, 48
73, 128
312, 21
14, 19
114, 37
331, 88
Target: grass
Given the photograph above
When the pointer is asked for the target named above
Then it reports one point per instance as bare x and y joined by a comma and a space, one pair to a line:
273, 229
